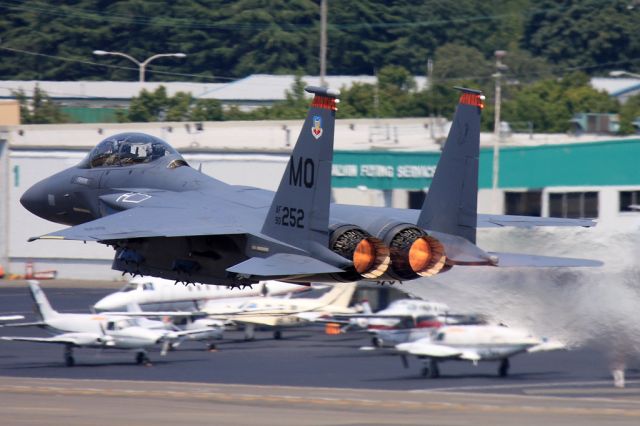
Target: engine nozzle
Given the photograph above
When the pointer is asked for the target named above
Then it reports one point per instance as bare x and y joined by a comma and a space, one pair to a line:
369, 255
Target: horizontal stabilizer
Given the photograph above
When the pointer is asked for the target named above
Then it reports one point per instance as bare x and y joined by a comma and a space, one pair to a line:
461, 251
498, 221
530, 260
283, 264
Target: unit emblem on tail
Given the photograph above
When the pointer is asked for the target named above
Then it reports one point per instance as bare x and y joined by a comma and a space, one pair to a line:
316, 130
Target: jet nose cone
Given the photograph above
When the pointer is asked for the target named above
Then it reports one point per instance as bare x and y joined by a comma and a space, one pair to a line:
35, 199
108, 303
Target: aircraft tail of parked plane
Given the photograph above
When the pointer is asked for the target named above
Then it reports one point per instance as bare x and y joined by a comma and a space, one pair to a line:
44, 311
339, 296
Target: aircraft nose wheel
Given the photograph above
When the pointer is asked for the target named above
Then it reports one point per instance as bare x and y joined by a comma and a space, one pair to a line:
503, 370
277, 334
377, 342
431, 371
68, 357
142, 359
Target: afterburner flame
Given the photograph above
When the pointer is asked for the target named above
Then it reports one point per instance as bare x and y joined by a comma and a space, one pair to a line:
378, 252
419, 255
364, 256
426, 256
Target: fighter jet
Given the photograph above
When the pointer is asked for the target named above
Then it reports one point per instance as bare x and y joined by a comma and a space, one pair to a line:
96, 331
135, 193
474, 343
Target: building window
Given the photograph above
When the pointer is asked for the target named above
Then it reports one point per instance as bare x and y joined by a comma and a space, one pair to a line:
416, 199
573, 204
524, 203
627, 199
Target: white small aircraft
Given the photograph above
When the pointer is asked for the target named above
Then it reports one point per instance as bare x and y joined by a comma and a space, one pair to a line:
474, 343
273, 312
96, 331
397, 311
159, 294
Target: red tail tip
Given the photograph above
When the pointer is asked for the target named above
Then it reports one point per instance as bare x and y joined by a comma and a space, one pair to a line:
325, 102
472, 99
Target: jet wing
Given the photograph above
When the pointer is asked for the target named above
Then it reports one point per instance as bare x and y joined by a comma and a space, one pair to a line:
283, 264
144, 223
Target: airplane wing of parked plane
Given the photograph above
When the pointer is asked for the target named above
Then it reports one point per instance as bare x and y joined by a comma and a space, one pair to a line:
75, 339
432, 350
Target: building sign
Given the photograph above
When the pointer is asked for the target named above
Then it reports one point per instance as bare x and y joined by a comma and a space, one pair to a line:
577, 164
383, 169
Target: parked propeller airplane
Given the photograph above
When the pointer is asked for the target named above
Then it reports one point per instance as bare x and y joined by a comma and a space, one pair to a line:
136, 194
273, 312
98, 331
482, 342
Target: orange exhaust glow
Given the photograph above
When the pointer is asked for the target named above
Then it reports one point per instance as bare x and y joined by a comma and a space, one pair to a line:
427, 257
419, 255
364, 256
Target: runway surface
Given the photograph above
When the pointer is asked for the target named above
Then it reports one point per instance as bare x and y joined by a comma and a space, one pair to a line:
308, 377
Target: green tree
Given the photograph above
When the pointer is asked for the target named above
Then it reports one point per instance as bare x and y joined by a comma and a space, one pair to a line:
550, 104
630, 113
207, 110
589, 34
40, 109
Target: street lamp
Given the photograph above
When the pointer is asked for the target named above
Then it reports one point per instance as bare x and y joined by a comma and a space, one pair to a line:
622, 73
141, 65
497, 135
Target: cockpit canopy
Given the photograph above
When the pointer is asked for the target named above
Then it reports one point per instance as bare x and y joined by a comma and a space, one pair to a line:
126, 149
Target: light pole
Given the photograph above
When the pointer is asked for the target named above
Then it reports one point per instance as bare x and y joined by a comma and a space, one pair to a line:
622, 73
141, 65
323, 42
500, 67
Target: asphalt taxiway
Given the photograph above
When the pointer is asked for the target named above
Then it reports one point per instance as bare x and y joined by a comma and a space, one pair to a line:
308, 377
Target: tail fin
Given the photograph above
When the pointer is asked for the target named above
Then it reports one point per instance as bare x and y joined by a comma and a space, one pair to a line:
451, 205
299, 213
42, 306
340, 295
133, 306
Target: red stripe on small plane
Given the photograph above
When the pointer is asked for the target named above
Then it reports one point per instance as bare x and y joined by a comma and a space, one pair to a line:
324, 102
471, 99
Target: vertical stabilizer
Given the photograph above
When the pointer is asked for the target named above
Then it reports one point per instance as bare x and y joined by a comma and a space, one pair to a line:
451, 205
339, 296
43, 308
299, 213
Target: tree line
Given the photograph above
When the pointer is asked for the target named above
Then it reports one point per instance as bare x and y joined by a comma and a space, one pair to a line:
225, 39
545, 105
